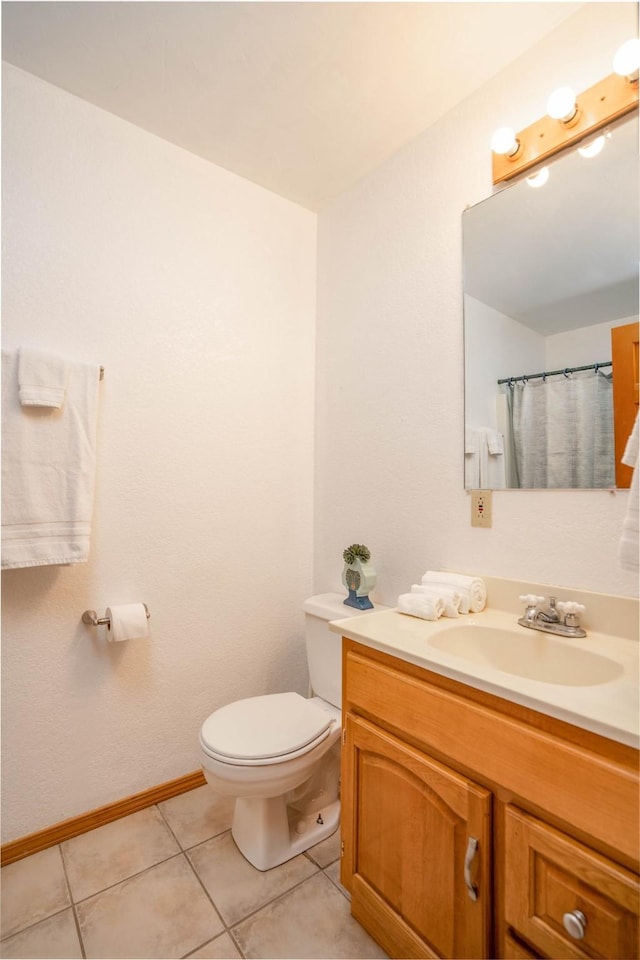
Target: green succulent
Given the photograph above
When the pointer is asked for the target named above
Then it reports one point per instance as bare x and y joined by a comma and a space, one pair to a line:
356, 550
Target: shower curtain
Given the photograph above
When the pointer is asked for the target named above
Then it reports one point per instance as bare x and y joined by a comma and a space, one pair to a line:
562, 430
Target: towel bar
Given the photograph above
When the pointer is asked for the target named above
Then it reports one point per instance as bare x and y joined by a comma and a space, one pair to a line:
91, 618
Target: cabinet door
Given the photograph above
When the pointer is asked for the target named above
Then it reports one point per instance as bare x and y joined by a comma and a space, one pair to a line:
418, 884
554, 883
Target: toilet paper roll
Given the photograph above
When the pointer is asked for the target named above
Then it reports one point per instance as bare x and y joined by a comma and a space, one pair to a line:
127, 622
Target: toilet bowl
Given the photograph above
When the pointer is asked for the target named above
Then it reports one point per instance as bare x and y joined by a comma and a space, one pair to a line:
282, 771
279, 754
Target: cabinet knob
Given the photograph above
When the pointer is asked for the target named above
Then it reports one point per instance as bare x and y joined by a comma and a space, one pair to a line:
575, 924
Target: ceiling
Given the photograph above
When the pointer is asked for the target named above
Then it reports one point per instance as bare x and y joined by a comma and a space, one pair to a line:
301, 98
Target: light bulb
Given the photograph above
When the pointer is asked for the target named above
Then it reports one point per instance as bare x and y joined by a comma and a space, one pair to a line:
627, 60
504, 141
594, 148
539, 179
561, 105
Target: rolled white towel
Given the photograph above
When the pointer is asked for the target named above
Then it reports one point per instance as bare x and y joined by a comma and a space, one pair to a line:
472, 589
463, 593
420, 605
450, 597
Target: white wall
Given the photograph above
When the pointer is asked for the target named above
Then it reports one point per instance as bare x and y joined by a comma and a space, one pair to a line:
585, 345
496, 346
389, 401
196, 290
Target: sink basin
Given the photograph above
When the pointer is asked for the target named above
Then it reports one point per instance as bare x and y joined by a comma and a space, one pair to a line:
527, 653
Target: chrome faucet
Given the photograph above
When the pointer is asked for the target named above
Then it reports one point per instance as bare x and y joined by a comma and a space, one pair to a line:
561, 618
550, 615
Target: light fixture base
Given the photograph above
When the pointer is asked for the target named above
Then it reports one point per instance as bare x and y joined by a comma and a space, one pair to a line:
601, 104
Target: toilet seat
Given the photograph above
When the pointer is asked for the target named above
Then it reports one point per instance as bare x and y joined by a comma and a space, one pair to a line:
265, 730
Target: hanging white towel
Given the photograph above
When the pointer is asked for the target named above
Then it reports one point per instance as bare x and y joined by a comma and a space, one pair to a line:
42, 378
471, 589
484, 461
48, 470
630, 540
492, 463
450, 598
471, 459
420, 605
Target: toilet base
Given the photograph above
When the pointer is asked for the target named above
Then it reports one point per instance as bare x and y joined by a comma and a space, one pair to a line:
268, 833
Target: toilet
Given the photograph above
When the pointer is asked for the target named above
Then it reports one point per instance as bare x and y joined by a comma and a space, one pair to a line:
279, 754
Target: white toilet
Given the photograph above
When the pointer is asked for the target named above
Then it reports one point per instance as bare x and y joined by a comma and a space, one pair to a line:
279, 754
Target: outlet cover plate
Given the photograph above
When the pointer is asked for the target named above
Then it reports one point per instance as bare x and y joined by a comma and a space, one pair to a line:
481, 508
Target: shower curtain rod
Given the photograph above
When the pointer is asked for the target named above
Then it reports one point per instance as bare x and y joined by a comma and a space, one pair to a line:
553, 373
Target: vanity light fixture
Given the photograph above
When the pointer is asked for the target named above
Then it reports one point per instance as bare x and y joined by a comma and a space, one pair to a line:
570, 118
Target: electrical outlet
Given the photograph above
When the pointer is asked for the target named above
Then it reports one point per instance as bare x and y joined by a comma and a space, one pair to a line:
481, 508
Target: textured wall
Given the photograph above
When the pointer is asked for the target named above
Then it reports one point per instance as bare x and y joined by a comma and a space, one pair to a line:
196, 290
389, 402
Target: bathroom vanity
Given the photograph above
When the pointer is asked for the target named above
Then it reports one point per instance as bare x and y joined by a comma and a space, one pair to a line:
485, 814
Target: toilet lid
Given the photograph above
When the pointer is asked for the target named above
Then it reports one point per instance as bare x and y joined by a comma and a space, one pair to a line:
264, 728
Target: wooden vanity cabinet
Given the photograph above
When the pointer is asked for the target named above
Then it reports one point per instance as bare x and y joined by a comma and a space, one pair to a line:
472, 826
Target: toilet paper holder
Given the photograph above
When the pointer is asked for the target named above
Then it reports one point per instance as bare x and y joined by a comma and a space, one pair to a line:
93, 620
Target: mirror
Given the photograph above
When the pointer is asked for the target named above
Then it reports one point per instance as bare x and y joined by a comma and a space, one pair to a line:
549, 273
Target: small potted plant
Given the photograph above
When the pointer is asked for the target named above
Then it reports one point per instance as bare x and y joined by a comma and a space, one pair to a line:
358, 576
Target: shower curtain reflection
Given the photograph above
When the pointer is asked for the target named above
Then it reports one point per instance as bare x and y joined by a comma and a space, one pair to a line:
562, 430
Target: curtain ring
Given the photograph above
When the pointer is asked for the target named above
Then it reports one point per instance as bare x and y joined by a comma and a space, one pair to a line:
544, 377
596, 367
566, 372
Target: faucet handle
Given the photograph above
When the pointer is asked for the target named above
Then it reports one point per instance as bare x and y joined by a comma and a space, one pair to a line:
570, 606
531, 599
571, 611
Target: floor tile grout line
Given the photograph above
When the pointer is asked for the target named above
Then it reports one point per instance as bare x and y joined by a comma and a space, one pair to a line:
185, 851
211, 939
73, 903
133, 876
56, 913
36, 923
192, 846
230, 927
279, 896
80, 900
211, 901
169, 827
76, 919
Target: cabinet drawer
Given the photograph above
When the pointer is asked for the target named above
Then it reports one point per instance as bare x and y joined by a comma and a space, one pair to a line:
552, 879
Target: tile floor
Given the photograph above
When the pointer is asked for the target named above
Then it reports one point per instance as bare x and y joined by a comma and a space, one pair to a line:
169, 882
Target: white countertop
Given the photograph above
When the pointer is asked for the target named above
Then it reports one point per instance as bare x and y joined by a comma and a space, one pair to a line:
610, 709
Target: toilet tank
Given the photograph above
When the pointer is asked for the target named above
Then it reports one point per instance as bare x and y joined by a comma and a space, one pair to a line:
324, 648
